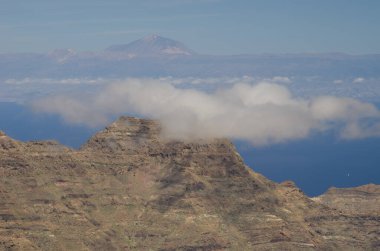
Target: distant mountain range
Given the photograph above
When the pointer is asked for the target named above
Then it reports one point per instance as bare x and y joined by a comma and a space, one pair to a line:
158, 56
152, 46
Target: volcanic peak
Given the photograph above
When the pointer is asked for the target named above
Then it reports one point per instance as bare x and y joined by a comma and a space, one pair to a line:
152, 46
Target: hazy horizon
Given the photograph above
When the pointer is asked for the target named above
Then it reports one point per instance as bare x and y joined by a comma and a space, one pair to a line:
207, 26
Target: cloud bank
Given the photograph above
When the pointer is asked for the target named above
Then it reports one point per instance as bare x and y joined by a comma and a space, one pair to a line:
264, 113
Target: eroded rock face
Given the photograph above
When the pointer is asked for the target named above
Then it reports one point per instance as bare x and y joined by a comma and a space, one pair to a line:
128, 188
362, 200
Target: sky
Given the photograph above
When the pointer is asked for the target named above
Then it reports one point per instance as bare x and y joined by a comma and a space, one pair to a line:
206, 26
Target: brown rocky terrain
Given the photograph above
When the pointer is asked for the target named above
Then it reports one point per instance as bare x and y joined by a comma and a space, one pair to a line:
129, 189
363, 200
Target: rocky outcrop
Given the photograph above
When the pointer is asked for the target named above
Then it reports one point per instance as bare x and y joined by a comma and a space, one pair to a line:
363, 200
128, 188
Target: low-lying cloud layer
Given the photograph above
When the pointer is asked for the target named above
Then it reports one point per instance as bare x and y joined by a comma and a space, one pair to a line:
262, 114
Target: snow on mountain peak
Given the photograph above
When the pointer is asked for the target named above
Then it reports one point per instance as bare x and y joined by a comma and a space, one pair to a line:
62, 55
153, 45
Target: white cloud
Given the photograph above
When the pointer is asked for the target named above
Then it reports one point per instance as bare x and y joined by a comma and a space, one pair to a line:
358, 80
262, 114
333, 108
359, 131
338, 81
50, 81
281, 80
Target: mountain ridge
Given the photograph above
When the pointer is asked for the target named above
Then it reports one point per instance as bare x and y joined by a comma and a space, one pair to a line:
129, 188
159, 56
152, 45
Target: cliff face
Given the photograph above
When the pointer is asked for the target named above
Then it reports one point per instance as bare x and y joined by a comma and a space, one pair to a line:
362, 200
128, 188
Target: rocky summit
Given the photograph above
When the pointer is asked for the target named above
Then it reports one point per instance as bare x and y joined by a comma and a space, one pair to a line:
129, 189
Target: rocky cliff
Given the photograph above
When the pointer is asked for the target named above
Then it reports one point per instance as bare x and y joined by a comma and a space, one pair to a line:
362, 200
129, 189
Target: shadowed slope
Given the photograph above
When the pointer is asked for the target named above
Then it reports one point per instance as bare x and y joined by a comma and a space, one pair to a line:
128, 188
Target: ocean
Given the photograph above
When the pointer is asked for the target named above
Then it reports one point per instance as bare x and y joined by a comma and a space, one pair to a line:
314, 164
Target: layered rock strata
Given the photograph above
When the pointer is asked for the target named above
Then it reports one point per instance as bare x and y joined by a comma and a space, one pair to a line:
129, 189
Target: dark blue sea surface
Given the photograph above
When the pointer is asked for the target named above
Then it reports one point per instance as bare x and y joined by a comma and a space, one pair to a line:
21, 123
317, 163
314, 164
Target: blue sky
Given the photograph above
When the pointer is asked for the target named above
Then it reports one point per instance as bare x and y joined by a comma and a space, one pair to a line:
207, 26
